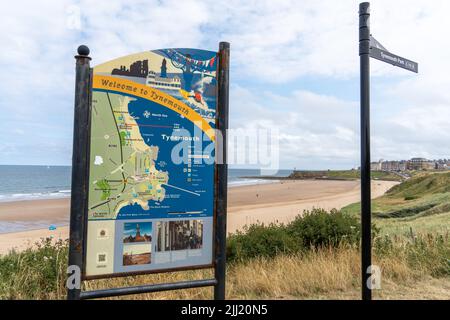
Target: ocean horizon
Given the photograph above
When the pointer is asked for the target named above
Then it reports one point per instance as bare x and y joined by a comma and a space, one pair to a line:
35, 182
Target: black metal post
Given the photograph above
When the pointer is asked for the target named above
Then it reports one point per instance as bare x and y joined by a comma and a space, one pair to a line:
366, 233
80, 163
222, 168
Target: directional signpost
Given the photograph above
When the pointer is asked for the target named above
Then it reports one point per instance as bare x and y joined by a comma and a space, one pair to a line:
383, 55
370, 48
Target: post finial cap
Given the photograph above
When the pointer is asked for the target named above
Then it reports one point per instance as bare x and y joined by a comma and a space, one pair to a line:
364, 8
83, 50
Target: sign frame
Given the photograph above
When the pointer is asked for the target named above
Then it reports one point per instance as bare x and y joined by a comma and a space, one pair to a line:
80, 180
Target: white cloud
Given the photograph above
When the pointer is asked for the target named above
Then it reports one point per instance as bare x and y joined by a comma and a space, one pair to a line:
315, 131
414, 132
273, 43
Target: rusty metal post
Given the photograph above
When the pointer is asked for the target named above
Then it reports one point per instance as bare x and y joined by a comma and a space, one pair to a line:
222, 171
366, 214
80, 163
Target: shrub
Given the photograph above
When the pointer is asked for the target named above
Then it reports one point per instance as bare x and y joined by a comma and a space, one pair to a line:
316, 228
259, 240
319, 228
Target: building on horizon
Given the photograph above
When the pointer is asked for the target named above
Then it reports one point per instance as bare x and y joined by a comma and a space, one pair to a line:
419, 164
415, 164
442, 164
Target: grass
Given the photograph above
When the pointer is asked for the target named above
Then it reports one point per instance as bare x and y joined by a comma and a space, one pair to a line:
343, 175
36, 273
318, 269
436, 224
418, 206
321, 273
421, 196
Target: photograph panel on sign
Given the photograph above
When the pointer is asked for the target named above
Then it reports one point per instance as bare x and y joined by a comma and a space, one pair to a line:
137, 254
137, 243
135, 232
179, 235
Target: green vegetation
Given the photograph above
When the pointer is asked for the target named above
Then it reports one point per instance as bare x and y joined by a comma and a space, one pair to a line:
343, 175
314, 229
320, 228
274, 261
410, 228
421, 203
38, 273
260, 240
422, 185
105, 187
428, 253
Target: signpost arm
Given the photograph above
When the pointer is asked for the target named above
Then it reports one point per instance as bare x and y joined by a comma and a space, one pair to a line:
366, 234
80, 163
222, 168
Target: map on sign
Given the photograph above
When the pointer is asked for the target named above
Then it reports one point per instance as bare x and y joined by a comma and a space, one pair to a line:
152, 149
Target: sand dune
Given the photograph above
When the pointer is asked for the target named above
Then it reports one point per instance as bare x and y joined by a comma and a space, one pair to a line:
275, 202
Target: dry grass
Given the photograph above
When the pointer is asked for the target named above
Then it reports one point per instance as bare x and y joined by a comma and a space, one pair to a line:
411, 269
296, 276
320, 274
317, 274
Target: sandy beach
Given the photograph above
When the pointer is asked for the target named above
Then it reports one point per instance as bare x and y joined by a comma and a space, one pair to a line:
274, 202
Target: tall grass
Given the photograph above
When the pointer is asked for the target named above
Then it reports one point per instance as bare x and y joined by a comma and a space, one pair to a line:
324, 272
36, 273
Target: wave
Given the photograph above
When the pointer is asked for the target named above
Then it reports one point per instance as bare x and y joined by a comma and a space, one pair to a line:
249, 182
35, 196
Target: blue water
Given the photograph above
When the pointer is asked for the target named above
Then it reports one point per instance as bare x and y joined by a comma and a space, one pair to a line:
236, 176
34, 182
18, 183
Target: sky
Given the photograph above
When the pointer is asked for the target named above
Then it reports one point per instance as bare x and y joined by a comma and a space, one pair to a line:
294, 68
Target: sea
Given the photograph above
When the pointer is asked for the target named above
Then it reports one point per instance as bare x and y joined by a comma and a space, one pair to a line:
19, 183
22, 183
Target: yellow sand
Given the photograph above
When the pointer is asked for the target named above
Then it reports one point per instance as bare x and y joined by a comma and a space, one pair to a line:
274, 202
